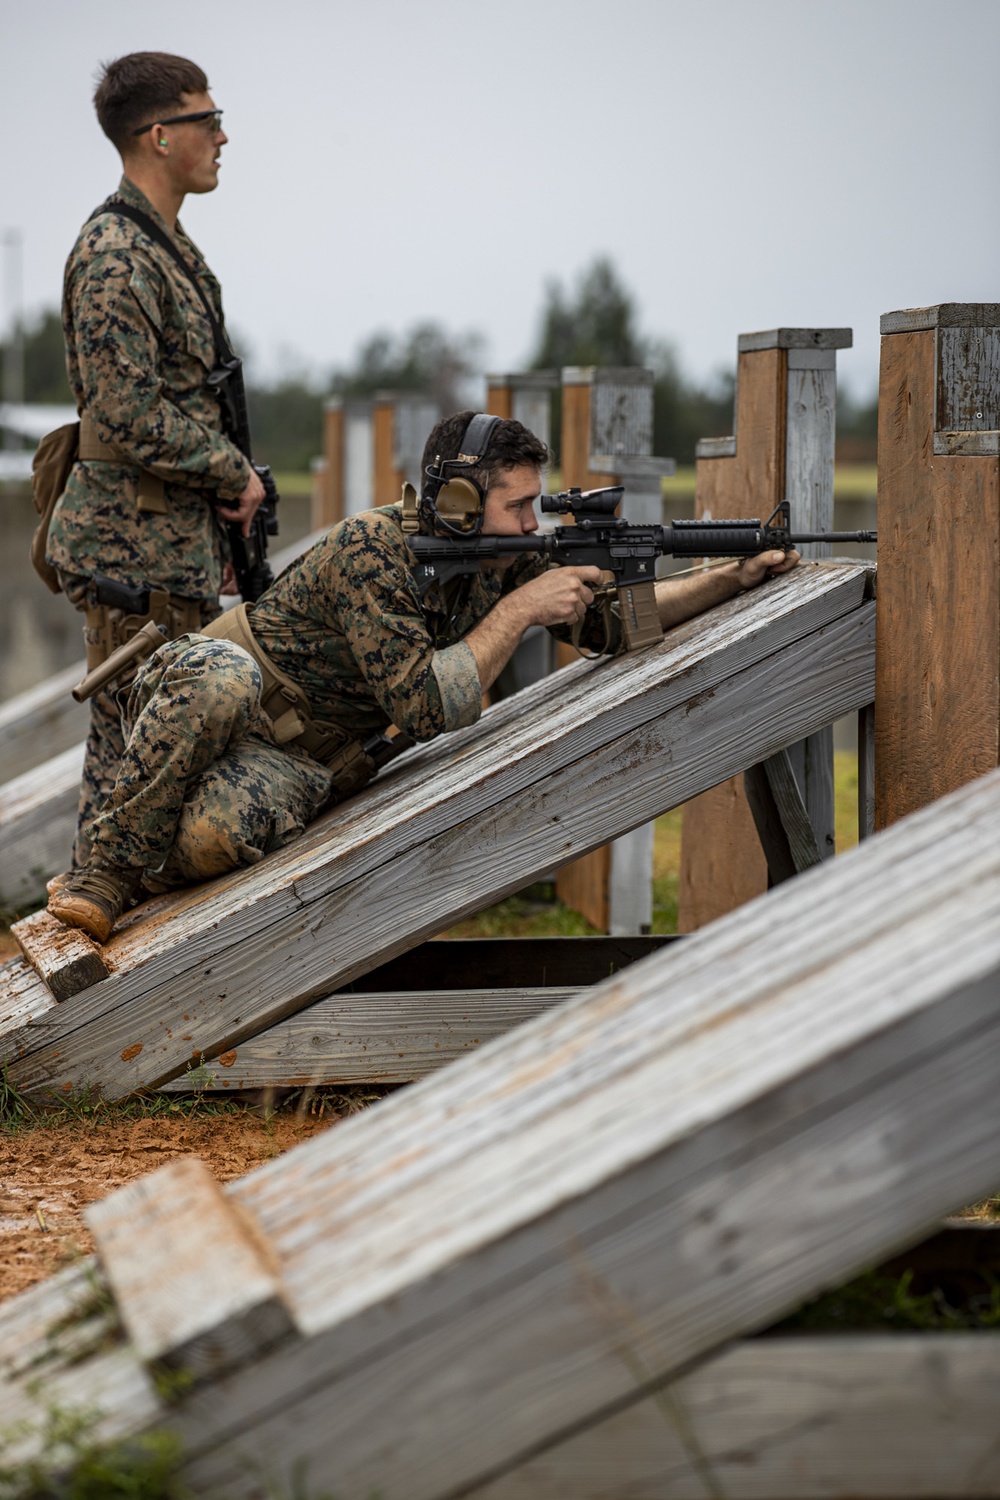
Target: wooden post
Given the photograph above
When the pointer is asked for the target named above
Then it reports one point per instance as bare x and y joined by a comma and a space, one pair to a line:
526, 396
359, 456
387, 481
937, 715
400, 425
607, 438
328, 495
782, 447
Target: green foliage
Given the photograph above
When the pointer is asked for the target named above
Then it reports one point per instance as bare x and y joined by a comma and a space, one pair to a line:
15, 1108
71, 1464
877, 1300
44, 359
426, 359
593, 326
597, 324
286, 420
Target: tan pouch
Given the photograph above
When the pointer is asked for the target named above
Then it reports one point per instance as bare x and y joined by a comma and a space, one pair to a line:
50, 469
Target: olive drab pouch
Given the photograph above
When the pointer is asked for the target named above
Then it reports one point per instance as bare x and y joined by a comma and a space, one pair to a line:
50, 469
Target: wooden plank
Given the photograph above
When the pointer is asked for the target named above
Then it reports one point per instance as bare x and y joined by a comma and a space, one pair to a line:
806, 1418
774, 1115
851, 1071
37, 823
783, 826
938, 682
191, 1282
65, 959
866, 771
387, 481
459, 823
43, 721
371, 1038
23, 996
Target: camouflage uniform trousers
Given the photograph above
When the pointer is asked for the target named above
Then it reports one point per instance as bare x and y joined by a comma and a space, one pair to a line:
105, 736
203, 788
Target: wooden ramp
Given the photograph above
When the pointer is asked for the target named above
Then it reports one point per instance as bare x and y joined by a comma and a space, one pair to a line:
42, 733
487, 1278
577, 759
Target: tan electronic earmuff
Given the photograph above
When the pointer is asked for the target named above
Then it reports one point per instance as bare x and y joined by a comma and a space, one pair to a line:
454, 501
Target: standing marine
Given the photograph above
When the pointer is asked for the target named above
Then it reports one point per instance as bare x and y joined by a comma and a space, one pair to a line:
140, 511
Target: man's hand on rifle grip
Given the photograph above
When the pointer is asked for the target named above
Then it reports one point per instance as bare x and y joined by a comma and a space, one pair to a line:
246, 503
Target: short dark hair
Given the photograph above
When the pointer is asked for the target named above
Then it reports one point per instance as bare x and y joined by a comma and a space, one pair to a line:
510, 445
133, 90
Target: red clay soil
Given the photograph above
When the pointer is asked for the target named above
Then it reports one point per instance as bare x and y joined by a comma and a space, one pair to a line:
50, 1172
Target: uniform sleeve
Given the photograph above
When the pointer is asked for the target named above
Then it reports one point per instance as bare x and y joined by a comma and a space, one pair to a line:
424, 689
120, 340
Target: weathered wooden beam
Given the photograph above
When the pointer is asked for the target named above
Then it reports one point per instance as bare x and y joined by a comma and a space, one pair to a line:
65, 959
190, 1280
782, 448
37, 819
794, 1418
44, 720
567, 1222
371, 1038
938, 684
460, 823
783, 826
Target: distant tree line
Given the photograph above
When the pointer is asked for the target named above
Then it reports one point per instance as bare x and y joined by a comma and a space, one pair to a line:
595, 323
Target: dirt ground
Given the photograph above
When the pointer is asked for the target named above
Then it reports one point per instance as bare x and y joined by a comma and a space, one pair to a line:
50, 1172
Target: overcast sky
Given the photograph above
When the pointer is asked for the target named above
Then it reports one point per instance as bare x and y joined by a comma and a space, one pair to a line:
746, 163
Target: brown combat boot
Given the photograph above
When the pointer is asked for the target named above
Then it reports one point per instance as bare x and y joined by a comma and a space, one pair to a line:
94, 897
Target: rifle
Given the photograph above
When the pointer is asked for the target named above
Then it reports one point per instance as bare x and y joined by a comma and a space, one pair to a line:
249, 553
617, 546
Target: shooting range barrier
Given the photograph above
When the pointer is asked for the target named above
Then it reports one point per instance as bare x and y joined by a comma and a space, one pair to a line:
581, 757
536, 1273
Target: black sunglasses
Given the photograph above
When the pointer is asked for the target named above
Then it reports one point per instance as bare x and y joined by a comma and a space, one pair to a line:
215, 115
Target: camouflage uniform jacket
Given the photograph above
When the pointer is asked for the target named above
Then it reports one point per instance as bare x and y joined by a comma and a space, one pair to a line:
138, 350
346, 625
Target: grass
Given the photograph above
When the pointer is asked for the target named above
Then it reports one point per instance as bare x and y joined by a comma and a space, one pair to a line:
877, 1300
850, 482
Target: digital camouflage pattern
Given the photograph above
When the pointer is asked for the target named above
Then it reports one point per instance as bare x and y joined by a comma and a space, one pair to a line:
138, 350
203, 787
346, 624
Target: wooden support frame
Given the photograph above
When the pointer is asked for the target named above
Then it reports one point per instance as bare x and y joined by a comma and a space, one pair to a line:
938, 685
474, 1244
457, 824
782, 447
401, 422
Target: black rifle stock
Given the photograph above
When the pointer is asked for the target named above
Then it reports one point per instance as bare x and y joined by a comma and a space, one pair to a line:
619, 547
